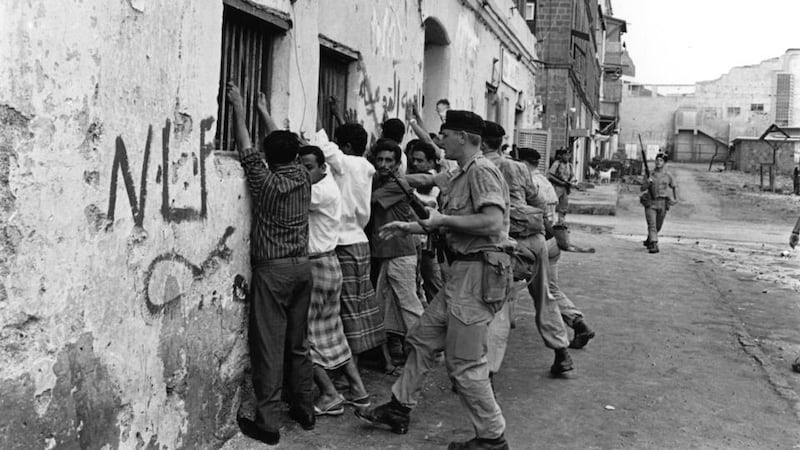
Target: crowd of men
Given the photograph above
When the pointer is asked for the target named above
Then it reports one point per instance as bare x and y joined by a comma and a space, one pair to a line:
405, 255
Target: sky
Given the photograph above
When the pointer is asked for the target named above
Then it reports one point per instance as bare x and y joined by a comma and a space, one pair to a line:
685, 41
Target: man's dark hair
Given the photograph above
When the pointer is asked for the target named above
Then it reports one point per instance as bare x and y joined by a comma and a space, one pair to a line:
280, 147
411, 146
443, 101
353, 134
528, 154
393, 129
313, 150
493, 142
426, 148
387, 145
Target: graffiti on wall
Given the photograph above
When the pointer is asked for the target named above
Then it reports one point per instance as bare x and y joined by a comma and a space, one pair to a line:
381, 105
387, 34
169, 212
170, 275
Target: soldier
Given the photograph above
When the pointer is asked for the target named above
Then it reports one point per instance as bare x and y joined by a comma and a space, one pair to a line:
527, 228
475, 222
663, 195
562, 176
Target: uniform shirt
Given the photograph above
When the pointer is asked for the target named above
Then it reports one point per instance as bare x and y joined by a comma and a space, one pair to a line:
546, 191
281, 198
389, 203
324, 216
521, 189
562, 170
663, 183
466, 191
353, 175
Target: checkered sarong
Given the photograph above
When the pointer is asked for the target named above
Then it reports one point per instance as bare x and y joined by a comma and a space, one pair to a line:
327, 344
361, 317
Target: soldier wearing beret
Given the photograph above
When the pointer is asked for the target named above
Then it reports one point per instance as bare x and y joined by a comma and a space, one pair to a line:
475, 222
663, 193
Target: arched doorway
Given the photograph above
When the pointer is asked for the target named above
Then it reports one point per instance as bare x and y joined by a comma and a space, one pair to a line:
436, 71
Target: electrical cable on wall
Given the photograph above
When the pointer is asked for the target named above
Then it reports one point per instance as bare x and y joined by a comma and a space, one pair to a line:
299, 73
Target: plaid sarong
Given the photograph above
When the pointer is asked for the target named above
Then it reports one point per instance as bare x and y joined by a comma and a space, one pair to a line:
327, 343
361, 317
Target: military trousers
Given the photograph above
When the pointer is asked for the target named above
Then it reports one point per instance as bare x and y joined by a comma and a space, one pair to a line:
456, 321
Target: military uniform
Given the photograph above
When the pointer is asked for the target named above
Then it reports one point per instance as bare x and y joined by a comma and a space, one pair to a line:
458, 318
655, 211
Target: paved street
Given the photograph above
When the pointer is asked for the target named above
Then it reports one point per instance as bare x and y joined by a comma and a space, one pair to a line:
692, 350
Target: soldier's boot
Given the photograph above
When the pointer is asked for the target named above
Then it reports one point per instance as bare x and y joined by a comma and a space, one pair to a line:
582, 334
653, 247
480, 444
393, 414
562, 362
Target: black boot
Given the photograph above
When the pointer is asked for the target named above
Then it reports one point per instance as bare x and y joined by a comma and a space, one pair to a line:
305, 419
393, 414
582, 334
480, 444
562, 362
653, 247
253, 431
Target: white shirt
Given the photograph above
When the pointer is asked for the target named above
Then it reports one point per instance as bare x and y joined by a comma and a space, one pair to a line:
324, 216
353, 175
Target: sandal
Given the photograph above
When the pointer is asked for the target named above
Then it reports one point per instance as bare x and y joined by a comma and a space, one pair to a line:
360, 402
334, 408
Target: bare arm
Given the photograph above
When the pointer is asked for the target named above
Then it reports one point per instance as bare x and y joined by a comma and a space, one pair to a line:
488, 222
261, 105
418, 180
255, 170
243, 143
334, 108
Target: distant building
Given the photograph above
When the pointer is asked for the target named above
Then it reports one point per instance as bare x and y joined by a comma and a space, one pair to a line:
579, 47
742, 103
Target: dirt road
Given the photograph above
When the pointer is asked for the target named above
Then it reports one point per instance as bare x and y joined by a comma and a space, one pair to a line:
692, 351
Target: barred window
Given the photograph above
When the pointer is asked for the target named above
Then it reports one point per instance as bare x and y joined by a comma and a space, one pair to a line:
783, 99
333, 71
248, 35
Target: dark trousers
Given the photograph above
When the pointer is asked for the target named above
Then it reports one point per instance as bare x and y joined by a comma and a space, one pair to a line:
280, 295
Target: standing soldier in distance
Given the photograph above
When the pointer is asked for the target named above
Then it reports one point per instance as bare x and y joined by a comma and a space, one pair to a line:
664, 195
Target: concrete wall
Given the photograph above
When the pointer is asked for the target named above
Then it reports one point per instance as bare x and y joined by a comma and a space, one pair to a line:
691, 147
125, 234
749, 154
712, 106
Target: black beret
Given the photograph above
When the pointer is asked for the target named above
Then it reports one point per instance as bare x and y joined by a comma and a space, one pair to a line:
492, 130
663, 156
463, 121
528, 154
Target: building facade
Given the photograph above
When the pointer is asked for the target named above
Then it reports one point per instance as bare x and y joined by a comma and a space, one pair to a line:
125, 215
742, 103
615, 63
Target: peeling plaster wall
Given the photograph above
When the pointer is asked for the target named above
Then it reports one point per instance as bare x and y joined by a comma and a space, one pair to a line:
118, 320
124, 235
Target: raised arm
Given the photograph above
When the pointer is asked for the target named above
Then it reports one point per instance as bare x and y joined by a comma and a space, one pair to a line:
243, 143
254, 168
263, 112
415, 122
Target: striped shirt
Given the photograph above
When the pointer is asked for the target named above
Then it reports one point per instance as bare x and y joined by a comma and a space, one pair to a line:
281, 199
